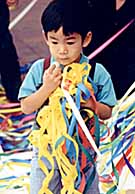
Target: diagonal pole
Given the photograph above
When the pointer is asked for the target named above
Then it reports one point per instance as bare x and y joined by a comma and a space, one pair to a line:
81, 121
22, 14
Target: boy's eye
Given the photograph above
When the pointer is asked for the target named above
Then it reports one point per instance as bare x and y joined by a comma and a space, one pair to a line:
54, 42
70, 43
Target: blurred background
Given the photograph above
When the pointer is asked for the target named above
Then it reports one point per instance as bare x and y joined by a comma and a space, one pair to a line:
27, 32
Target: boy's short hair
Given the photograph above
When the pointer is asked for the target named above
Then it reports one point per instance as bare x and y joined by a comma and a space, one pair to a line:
70, 14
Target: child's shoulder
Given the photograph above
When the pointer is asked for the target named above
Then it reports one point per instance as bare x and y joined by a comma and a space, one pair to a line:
101, 70
36, 67
38, 63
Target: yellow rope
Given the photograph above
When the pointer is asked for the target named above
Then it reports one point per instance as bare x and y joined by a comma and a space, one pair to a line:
53, 127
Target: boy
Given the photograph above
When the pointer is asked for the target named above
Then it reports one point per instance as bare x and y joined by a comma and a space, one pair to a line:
65, 33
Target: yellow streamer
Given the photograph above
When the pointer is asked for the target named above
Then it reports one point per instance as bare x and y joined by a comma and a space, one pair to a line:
53, 127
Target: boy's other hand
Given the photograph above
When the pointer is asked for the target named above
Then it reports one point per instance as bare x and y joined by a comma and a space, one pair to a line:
89, 104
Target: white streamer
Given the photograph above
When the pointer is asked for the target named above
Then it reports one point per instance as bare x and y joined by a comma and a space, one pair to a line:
22, 14
81, 121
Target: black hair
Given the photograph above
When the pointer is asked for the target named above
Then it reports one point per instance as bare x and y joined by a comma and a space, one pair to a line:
70, 14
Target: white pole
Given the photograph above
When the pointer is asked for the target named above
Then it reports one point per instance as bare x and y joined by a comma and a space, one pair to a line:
81, 121
22, 14
84, 127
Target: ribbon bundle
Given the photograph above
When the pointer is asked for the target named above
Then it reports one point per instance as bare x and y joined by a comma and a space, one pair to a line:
117, 143
61, 137
14, 130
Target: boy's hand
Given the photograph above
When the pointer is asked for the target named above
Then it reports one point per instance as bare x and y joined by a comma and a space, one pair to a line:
89, 104
102, 110
52, 77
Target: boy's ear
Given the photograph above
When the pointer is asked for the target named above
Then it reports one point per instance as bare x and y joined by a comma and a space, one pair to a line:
87, 39
44, 37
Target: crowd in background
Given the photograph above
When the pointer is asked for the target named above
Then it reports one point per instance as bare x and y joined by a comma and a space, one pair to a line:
108, 18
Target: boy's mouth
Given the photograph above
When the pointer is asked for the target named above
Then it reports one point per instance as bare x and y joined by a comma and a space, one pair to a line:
64, 58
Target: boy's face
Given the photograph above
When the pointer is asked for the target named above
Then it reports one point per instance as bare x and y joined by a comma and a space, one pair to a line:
65, 49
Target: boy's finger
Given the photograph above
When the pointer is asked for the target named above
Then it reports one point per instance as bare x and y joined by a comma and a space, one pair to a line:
58, 79
51, 68
57, 71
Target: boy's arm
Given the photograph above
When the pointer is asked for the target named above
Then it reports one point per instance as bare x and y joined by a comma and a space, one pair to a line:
105, 98
102, 110
51, 80
34, 101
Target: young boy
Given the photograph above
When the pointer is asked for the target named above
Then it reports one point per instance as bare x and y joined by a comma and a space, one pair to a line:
66, 33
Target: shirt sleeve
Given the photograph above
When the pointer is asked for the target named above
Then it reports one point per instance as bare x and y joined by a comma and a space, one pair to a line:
33, 80
105, 93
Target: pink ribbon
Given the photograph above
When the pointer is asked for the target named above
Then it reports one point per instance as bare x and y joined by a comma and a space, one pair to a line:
104, 45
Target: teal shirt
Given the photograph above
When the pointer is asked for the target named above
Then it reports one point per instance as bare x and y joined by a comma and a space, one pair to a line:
105, 94
101, 78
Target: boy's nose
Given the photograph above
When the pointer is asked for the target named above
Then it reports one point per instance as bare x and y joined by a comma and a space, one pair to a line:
63, 50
